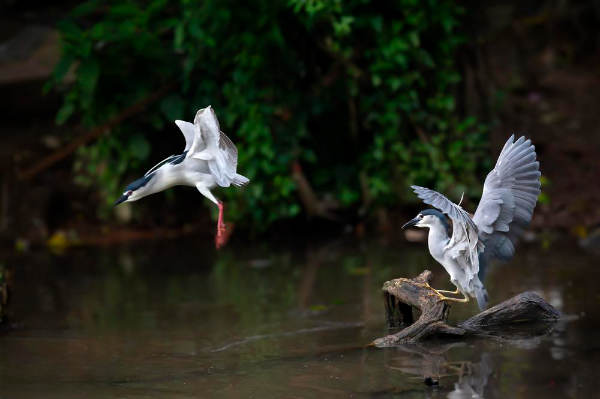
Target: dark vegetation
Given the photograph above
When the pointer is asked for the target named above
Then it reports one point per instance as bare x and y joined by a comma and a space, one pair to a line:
336, 107
357, 96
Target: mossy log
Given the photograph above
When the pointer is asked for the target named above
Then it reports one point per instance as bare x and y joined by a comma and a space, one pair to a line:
402, 295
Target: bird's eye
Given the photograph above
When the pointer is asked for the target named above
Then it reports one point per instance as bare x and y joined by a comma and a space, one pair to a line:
128, 193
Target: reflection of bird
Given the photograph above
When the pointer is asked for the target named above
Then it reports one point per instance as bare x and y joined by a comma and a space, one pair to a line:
509, 196
474, 382
209, 159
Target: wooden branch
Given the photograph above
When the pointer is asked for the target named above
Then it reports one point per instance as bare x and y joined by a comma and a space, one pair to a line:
524, 307
83, 139
505, 320
312, 205
415, 293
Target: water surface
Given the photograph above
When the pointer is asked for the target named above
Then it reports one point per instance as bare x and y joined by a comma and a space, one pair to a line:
177, 320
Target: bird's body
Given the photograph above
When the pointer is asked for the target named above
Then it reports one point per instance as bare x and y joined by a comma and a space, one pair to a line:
506, 207
178, 170
208, 160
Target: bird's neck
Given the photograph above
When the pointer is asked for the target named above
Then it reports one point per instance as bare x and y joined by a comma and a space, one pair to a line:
437, 239
165, 178
160, 181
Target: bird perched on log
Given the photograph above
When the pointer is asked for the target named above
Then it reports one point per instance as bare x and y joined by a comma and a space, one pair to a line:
209, 160
510, 194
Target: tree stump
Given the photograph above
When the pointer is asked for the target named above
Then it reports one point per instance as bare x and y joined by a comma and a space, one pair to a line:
402, 295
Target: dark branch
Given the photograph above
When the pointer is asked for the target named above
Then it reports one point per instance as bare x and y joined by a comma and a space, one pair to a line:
506, 320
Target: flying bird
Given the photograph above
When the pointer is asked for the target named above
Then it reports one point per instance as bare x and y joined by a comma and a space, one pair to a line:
209, 160
510, 194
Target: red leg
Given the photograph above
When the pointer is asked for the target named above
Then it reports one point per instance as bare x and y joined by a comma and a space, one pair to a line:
220, 224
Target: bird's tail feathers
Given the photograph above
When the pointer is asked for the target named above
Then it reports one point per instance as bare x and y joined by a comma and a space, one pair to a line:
240, 180
480, 293
482, 298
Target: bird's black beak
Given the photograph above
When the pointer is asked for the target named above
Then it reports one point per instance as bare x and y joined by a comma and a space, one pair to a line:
412, 222
123, 198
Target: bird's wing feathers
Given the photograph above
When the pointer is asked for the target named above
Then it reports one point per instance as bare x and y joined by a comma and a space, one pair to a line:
464, 246
161, 163
510, 193
188, 133
212, 145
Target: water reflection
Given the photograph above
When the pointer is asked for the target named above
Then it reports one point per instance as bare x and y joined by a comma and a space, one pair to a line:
427, 359
472, 378
171, 320
432, 364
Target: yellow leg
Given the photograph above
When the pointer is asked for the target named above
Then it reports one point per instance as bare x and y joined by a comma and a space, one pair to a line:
441, 297
437, 292
462, 300
450, 292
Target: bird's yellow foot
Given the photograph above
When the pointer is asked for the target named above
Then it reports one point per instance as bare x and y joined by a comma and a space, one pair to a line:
460, 300
436, 292
442, 297
450, 292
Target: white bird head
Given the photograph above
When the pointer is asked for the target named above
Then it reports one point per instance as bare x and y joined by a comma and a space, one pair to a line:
428, 218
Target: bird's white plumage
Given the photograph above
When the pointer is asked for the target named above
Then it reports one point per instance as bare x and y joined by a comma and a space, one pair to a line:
188, 133
209, 160
510, 194
464, 245
161, 163
212, 145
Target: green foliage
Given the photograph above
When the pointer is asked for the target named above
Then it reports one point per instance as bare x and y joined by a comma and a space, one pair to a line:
353, 90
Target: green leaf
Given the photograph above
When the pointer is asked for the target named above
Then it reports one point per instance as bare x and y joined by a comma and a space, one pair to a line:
139, 147
85, 8
124, 10
69, 30
62, 67
87, 75
64, 112
173, 107
179, 37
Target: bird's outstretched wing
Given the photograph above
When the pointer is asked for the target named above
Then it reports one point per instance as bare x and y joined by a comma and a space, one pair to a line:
212, 145
464, 246
510, 194
188, 133
161, 163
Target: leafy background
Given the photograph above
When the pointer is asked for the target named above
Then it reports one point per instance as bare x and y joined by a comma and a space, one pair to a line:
359, 95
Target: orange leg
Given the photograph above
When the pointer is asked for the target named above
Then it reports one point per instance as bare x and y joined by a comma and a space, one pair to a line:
220, 224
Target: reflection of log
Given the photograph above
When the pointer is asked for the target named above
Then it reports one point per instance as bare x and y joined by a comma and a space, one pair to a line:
428, 359
404, 294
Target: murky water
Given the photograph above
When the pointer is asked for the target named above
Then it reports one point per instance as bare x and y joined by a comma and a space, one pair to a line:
175, 320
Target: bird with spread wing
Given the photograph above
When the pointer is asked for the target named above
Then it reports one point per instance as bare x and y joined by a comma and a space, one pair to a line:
208, 160
510, 194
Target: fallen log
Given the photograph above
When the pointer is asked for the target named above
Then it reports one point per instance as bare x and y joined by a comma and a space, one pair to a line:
402, 295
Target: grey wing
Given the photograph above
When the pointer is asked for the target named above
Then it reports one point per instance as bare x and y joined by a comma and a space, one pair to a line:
225, 165
212, 145
510, 194
464, 245
188, 133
